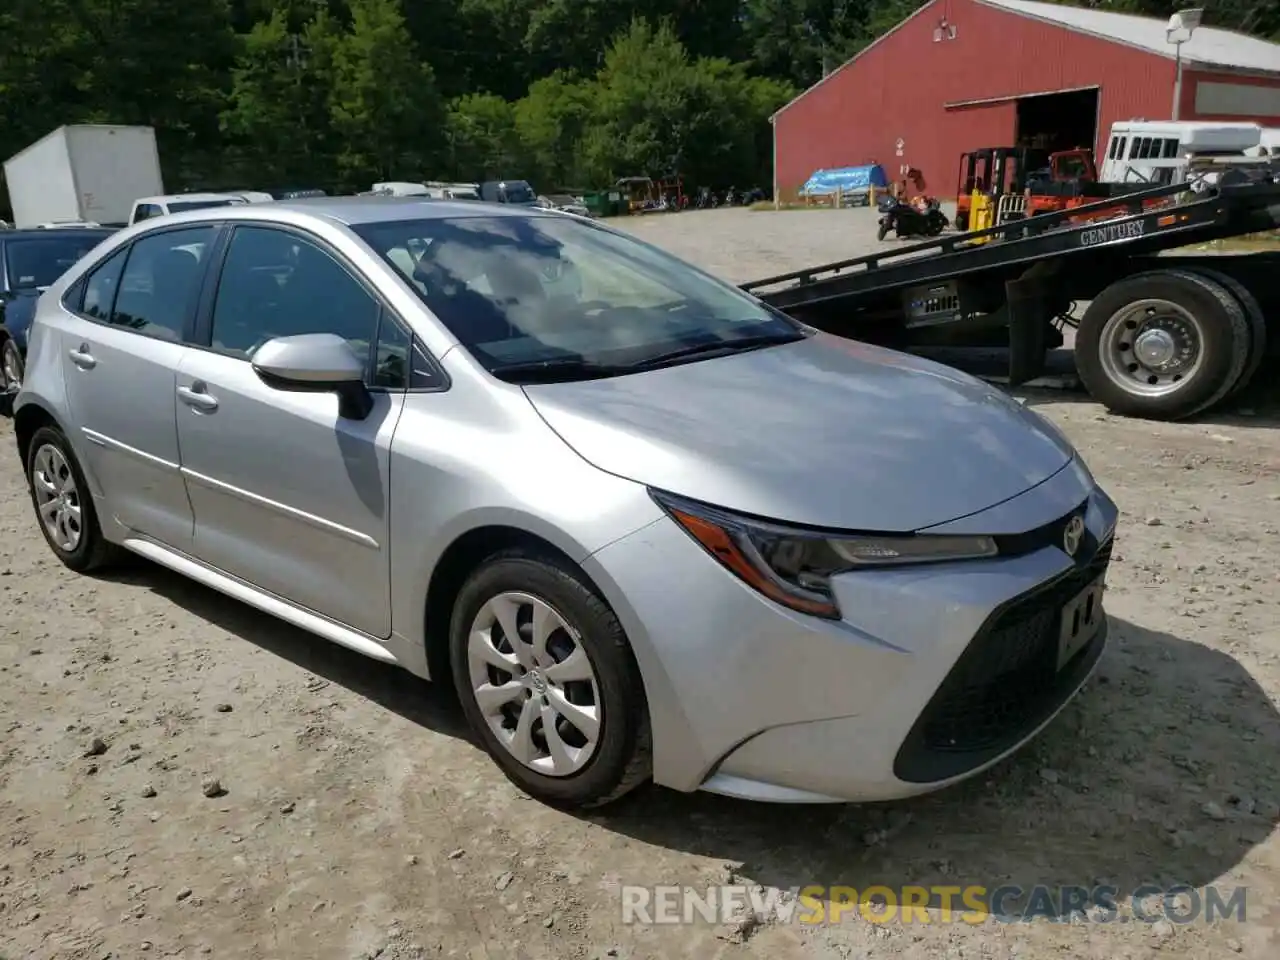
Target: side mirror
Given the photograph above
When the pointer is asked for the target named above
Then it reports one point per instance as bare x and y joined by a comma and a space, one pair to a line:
316, 363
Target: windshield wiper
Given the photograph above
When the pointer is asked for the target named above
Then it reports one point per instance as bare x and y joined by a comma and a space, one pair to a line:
555, 370
718, 348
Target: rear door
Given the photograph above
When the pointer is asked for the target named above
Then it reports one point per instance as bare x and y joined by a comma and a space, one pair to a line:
289, 495
122, 345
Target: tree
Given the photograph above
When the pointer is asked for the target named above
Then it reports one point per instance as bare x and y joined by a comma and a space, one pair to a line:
658, 112
280, 91
384, 105
118, 61
483, 142
550, 122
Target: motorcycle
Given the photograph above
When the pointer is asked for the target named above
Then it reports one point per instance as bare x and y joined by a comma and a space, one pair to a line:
910, 220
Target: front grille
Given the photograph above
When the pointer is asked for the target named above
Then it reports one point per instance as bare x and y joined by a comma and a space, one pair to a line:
1046, 535
1006, 683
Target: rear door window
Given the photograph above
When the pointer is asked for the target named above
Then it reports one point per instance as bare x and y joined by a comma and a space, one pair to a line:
101, 286
161, 281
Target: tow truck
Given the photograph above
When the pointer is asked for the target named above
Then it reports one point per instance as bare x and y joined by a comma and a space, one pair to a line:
1163, 337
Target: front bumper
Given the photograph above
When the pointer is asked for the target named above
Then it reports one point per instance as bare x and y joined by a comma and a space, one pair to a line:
934, 674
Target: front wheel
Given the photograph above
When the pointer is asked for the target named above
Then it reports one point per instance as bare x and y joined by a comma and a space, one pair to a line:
883, 231
11, 367
548, 681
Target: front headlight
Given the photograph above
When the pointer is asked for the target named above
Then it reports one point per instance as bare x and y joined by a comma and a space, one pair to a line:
794, 566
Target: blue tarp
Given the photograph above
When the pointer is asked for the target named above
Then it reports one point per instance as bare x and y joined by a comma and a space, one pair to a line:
845, 179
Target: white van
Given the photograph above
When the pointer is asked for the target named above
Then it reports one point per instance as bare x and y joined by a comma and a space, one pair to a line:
148, 207
401, 188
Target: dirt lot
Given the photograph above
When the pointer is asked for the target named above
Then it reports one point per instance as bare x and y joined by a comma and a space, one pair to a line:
359, 820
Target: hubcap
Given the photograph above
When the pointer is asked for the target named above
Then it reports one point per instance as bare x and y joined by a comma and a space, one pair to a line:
57, 498
1155, 348
12, 367
534, 684
1151, 348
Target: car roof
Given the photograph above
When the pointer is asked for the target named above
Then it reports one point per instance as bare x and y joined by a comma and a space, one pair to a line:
45, 232
171, 197
354, 211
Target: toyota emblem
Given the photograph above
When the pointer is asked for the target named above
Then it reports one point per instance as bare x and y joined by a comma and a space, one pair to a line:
1072, 535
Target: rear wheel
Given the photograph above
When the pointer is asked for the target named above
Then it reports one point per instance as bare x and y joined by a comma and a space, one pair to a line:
1163, 345
11, 367
548, 681
1257, 324
64, 504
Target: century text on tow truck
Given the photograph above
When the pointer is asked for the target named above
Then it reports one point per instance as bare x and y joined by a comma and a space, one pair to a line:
1112, 232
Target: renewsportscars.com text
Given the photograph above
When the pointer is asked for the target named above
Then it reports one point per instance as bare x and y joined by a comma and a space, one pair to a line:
972, 904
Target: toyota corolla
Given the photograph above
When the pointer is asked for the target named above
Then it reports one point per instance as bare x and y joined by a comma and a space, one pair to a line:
647, 527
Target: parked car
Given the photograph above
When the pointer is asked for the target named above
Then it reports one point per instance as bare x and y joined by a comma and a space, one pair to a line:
563, 203
518, 193
148, 207
647, 526
30, 260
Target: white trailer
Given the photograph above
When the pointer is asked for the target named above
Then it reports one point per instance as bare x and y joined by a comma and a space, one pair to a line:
83, 172
1157, 152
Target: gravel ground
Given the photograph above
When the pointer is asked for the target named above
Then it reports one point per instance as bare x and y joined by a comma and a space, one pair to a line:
353, 817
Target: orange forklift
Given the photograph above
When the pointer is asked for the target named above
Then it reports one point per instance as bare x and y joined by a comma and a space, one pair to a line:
1049, 181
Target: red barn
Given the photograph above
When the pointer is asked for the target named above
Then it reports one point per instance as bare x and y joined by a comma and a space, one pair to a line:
962, 74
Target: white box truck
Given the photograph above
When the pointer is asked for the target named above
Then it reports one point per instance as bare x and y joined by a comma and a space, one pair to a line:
83, 172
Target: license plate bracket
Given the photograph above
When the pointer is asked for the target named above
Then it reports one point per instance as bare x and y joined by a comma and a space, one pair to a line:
1081, 620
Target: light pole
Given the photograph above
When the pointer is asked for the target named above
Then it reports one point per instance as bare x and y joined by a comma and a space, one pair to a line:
1181, 25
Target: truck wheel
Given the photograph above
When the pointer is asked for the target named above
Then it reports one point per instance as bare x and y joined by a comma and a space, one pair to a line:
1257, 324
962, 222
1163, 345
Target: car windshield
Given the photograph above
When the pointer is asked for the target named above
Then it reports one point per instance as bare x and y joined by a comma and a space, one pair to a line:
177, 206
38, 261
523, 291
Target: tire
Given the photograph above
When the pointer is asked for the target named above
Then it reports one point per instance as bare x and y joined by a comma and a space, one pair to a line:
1224, 345
621, 758
962, 222
91, 549
883, 231
1257, 325
10, 363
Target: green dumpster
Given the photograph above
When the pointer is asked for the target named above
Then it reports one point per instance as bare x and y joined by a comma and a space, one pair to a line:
606, 203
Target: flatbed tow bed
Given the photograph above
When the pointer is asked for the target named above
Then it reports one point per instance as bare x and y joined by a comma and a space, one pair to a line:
1164, 337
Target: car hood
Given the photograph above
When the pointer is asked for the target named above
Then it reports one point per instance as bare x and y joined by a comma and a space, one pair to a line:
824, 432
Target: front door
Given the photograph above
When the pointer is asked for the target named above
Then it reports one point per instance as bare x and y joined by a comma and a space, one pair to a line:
288, 495
122, 345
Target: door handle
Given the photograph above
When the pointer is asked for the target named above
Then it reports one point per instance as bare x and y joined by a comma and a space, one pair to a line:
197, 399
81, 357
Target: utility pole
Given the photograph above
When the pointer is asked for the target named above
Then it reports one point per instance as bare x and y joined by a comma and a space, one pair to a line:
1181, 26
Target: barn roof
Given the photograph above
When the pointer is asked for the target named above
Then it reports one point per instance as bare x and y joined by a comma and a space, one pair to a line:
1209, 47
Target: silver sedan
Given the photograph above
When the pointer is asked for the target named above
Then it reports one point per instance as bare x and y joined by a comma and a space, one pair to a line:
649, 528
